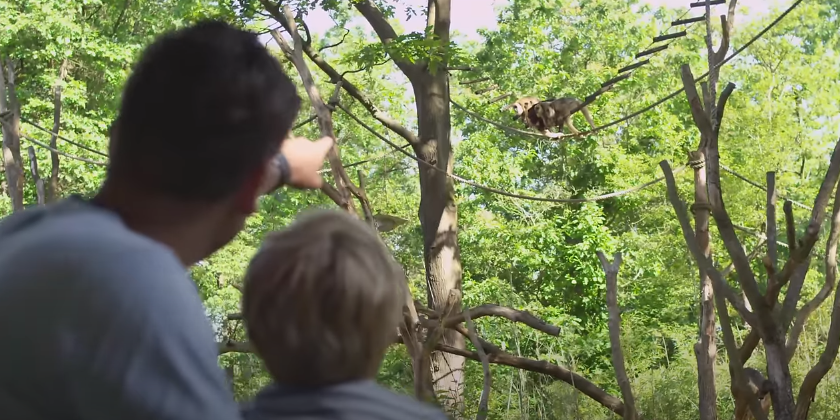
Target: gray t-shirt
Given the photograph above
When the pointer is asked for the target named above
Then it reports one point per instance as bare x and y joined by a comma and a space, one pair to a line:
100, 323
359, 400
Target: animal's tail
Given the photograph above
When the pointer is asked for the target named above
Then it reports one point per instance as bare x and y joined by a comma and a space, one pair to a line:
588, 117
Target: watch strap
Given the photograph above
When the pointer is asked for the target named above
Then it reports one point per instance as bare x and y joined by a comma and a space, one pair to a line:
282, 165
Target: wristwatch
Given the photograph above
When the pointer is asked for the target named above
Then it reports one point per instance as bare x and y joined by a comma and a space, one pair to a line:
283, 168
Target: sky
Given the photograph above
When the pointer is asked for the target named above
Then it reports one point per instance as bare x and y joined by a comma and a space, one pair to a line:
470, 15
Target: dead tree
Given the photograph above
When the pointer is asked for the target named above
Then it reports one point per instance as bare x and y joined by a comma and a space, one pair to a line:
614, 326
10, 119
707, 120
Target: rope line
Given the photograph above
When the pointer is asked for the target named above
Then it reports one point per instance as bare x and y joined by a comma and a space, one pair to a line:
761, 187
502, 192
460, 179
649, 107
79, 145
46, 146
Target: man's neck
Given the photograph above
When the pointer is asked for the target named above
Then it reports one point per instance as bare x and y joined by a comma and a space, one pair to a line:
180, 227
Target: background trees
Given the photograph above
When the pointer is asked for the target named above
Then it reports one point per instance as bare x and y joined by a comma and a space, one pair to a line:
529, 255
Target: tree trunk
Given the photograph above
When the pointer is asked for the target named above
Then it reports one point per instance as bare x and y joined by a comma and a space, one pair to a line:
706, 349
439, 222
53, 192
10, 116
778, 373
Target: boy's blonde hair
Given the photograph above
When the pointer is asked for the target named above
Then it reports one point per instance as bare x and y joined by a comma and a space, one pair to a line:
322, 300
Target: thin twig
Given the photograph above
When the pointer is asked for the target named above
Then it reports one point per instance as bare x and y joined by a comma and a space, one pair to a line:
485, 365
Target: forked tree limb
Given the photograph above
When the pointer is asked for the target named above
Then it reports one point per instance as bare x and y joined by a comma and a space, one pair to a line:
720, 286
614, 326
295, 55
485, 366
826, 361
348, 87
752, 339
805, 244
698, 112
745, 275
790, 225
829, 354
827, 287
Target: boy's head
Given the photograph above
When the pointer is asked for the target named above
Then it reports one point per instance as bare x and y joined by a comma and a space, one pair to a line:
322, 300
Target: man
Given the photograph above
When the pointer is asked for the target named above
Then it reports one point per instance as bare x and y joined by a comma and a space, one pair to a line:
99, 318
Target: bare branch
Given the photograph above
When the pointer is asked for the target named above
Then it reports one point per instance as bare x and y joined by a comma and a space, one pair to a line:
580, 383
611, 272
720, 286
701, 120
489, 309
342, 180
830, 280
36, 177
349, 87
752, 340
772, 246
326, 47
816, 374
485, 365
808, 240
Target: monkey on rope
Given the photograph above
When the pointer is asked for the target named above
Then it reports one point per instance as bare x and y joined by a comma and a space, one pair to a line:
521, 108
558, 112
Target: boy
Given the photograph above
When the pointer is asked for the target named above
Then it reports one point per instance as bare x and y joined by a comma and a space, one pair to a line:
321, 304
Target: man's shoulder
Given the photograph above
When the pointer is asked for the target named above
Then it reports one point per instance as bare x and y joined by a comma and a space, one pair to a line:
79, 251
75, 227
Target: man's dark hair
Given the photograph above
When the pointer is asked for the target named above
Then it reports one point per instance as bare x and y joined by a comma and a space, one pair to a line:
204, 106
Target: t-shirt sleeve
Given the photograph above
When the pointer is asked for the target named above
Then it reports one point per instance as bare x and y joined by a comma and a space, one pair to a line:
140, 345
